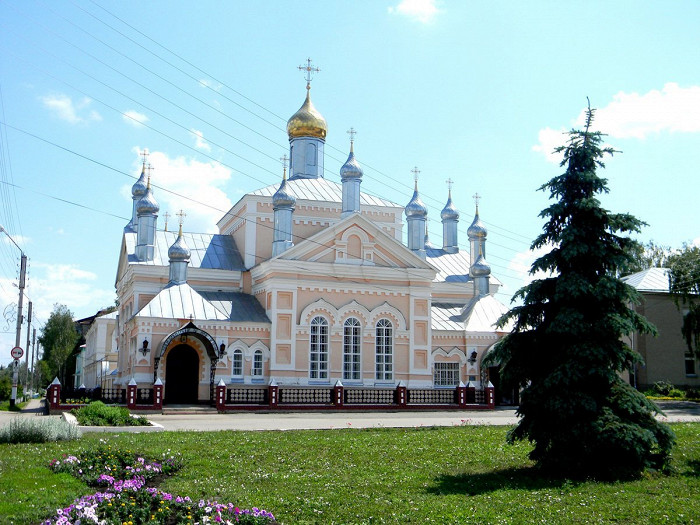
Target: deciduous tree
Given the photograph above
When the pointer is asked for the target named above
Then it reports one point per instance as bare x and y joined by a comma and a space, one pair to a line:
566, 350
684, 277
58, 338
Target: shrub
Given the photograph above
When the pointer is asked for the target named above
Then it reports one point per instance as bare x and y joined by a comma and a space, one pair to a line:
692, 393
38, 430
663, 387
99, 414
676, 393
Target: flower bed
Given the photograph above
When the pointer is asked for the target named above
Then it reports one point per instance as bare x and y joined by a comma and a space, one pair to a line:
129, 497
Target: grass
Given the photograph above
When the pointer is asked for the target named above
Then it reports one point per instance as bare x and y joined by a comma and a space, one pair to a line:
37, 430
424, 475
5, 406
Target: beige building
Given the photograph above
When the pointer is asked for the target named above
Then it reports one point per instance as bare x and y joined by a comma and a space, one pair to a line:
307, 283
666, 356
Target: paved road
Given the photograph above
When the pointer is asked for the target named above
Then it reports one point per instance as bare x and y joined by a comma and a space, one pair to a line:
675, 411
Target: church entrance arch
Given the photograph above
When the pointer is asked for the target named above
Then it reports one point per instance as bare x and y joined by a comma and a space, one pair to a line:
182, 375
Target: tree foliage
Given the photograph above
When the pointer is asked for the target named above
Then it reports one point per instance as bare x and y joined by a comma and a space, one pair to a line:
58, 338
684, 280
566, 350
645, 256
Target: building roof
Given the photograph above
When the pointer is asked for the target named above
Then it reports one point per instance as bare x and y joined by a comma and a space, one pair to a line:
207, 250
479, 315
649, 280
322, 190
239, 307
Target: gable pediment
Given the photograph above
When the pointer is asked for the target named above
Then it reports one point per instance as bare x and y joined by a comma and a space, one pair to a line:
355, 241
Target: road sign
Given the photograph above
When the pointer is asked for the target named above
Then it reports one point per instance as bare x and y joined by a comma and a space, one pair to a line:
17, 352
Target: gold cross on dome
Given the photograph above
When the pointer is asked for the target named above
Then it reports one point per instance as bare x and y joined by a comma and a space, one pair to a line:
352, 134
167, 216
310, 70
284, 160
476, 198
144, 154
181, 214
415, 172
449, 182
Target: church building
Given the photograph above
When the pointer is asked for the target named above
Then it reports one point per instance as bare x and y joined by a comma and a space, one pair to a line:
308, 283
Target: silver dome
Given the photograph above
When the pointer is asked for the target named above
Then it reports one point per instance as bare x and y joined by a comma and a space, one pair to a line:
480, 268
415, 208
282, 197
351, 169
179, 250
449, 212
139, 187
477, 228
147, 204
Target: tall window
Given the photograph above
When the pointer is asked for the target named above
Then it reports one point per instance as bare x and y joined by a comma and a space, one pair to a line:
690, 365
237, 367
384, 348
446, 374
351, 349
257, 364
318, 349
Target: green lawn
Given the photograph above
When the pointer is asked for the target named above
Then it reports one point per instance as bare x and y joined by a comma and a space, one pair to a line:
424, 475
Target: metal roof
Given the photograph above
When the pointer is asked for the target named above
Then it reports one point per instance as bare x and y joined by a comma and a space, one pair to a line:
446, 317
181, 301
480, 315
207, 250
452, 267
239, 307
322, 190
649, 280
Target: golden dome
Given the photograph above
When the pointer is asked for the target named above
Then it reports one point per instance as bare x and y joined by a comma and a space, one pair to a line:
307, 122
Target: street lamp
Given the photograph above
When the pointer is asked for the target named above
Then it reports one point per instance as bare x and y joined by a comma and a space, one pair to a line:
144, 347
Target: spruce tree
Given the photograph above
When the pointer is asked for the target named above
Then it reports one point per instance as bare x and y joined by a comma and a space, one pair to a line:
567, 349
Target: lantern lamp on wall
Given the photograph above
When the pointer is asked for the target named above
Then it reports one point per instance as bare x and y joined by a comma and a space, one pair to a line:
472, 358
144, 347
222, 350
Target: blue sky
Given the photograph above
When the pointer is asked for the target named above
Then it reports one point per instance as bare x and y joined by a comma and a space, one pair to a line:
477, 92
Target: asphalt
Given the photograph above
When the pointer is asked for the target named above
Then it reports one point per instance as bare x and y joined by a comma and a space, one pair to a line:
674, 411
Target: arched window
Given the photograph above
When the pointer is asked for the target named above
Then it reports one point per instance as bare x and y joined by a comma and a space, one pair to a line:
237, 365
257, 370
384, 348
351, 349
318, 349
311, 154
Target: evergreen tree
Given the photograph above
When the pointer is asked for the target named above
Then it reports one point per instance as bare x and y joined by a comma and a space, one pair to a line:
58, 338
566, 350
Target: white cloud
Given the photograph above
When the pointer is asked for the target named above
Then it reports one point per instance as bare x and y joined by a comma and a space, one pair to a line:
199, 141
672, 109
190, 180
423, 11
134, 118
72, 112
521, 263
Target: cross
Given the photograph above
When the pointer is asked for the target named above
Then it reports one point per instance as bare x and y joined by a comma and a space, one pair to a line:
309, 72
149, 168
144, 154
181, 214
449, 182
476, 198
167, 216
352, 134
415, 172
284, 160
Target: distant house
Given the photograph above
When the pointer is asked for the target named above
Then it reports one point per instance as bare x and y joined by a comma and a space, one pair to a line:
666, 356
98, 356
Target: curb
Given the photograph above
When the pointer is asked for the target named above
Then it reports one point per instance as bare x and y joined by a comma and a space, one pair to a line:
155, 427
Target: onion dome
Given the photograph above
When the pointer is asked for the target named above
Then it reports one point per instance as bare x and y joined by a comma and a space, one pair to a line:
480, 268
179, 250
147, 204
138, 190
282, 197
477, 228
449, 212
307, 122
415, 207
351, 169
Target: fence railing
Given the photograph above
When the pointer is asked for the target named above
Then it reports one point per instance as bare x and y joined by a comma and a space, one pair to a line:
148, 398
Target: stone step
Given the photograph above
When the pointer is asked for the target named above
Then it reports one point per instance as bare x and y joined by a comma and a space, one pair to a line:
188, 409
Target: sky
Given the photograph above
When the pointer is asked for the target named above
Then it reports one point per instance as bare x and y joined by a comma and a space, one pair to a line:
476, 92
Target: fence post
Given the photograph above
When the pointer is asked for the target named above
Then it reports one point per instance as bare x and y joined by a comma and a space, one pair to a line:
490, 396
462, 395
471, 392
401, 394
131, 394
158, 394
54, 394
273, 391
338, 394
221, 395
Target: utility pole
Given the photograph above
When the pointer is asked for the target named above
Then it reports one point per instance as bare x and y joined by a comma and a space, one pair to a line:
26, 350
31, 380
18, 336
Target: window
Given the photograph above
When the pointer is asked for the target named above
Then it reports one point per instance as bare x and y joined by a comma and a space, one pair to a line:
446, 374
690, 369
257, 364
237, 366
318, 349
351, 349
384, 348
